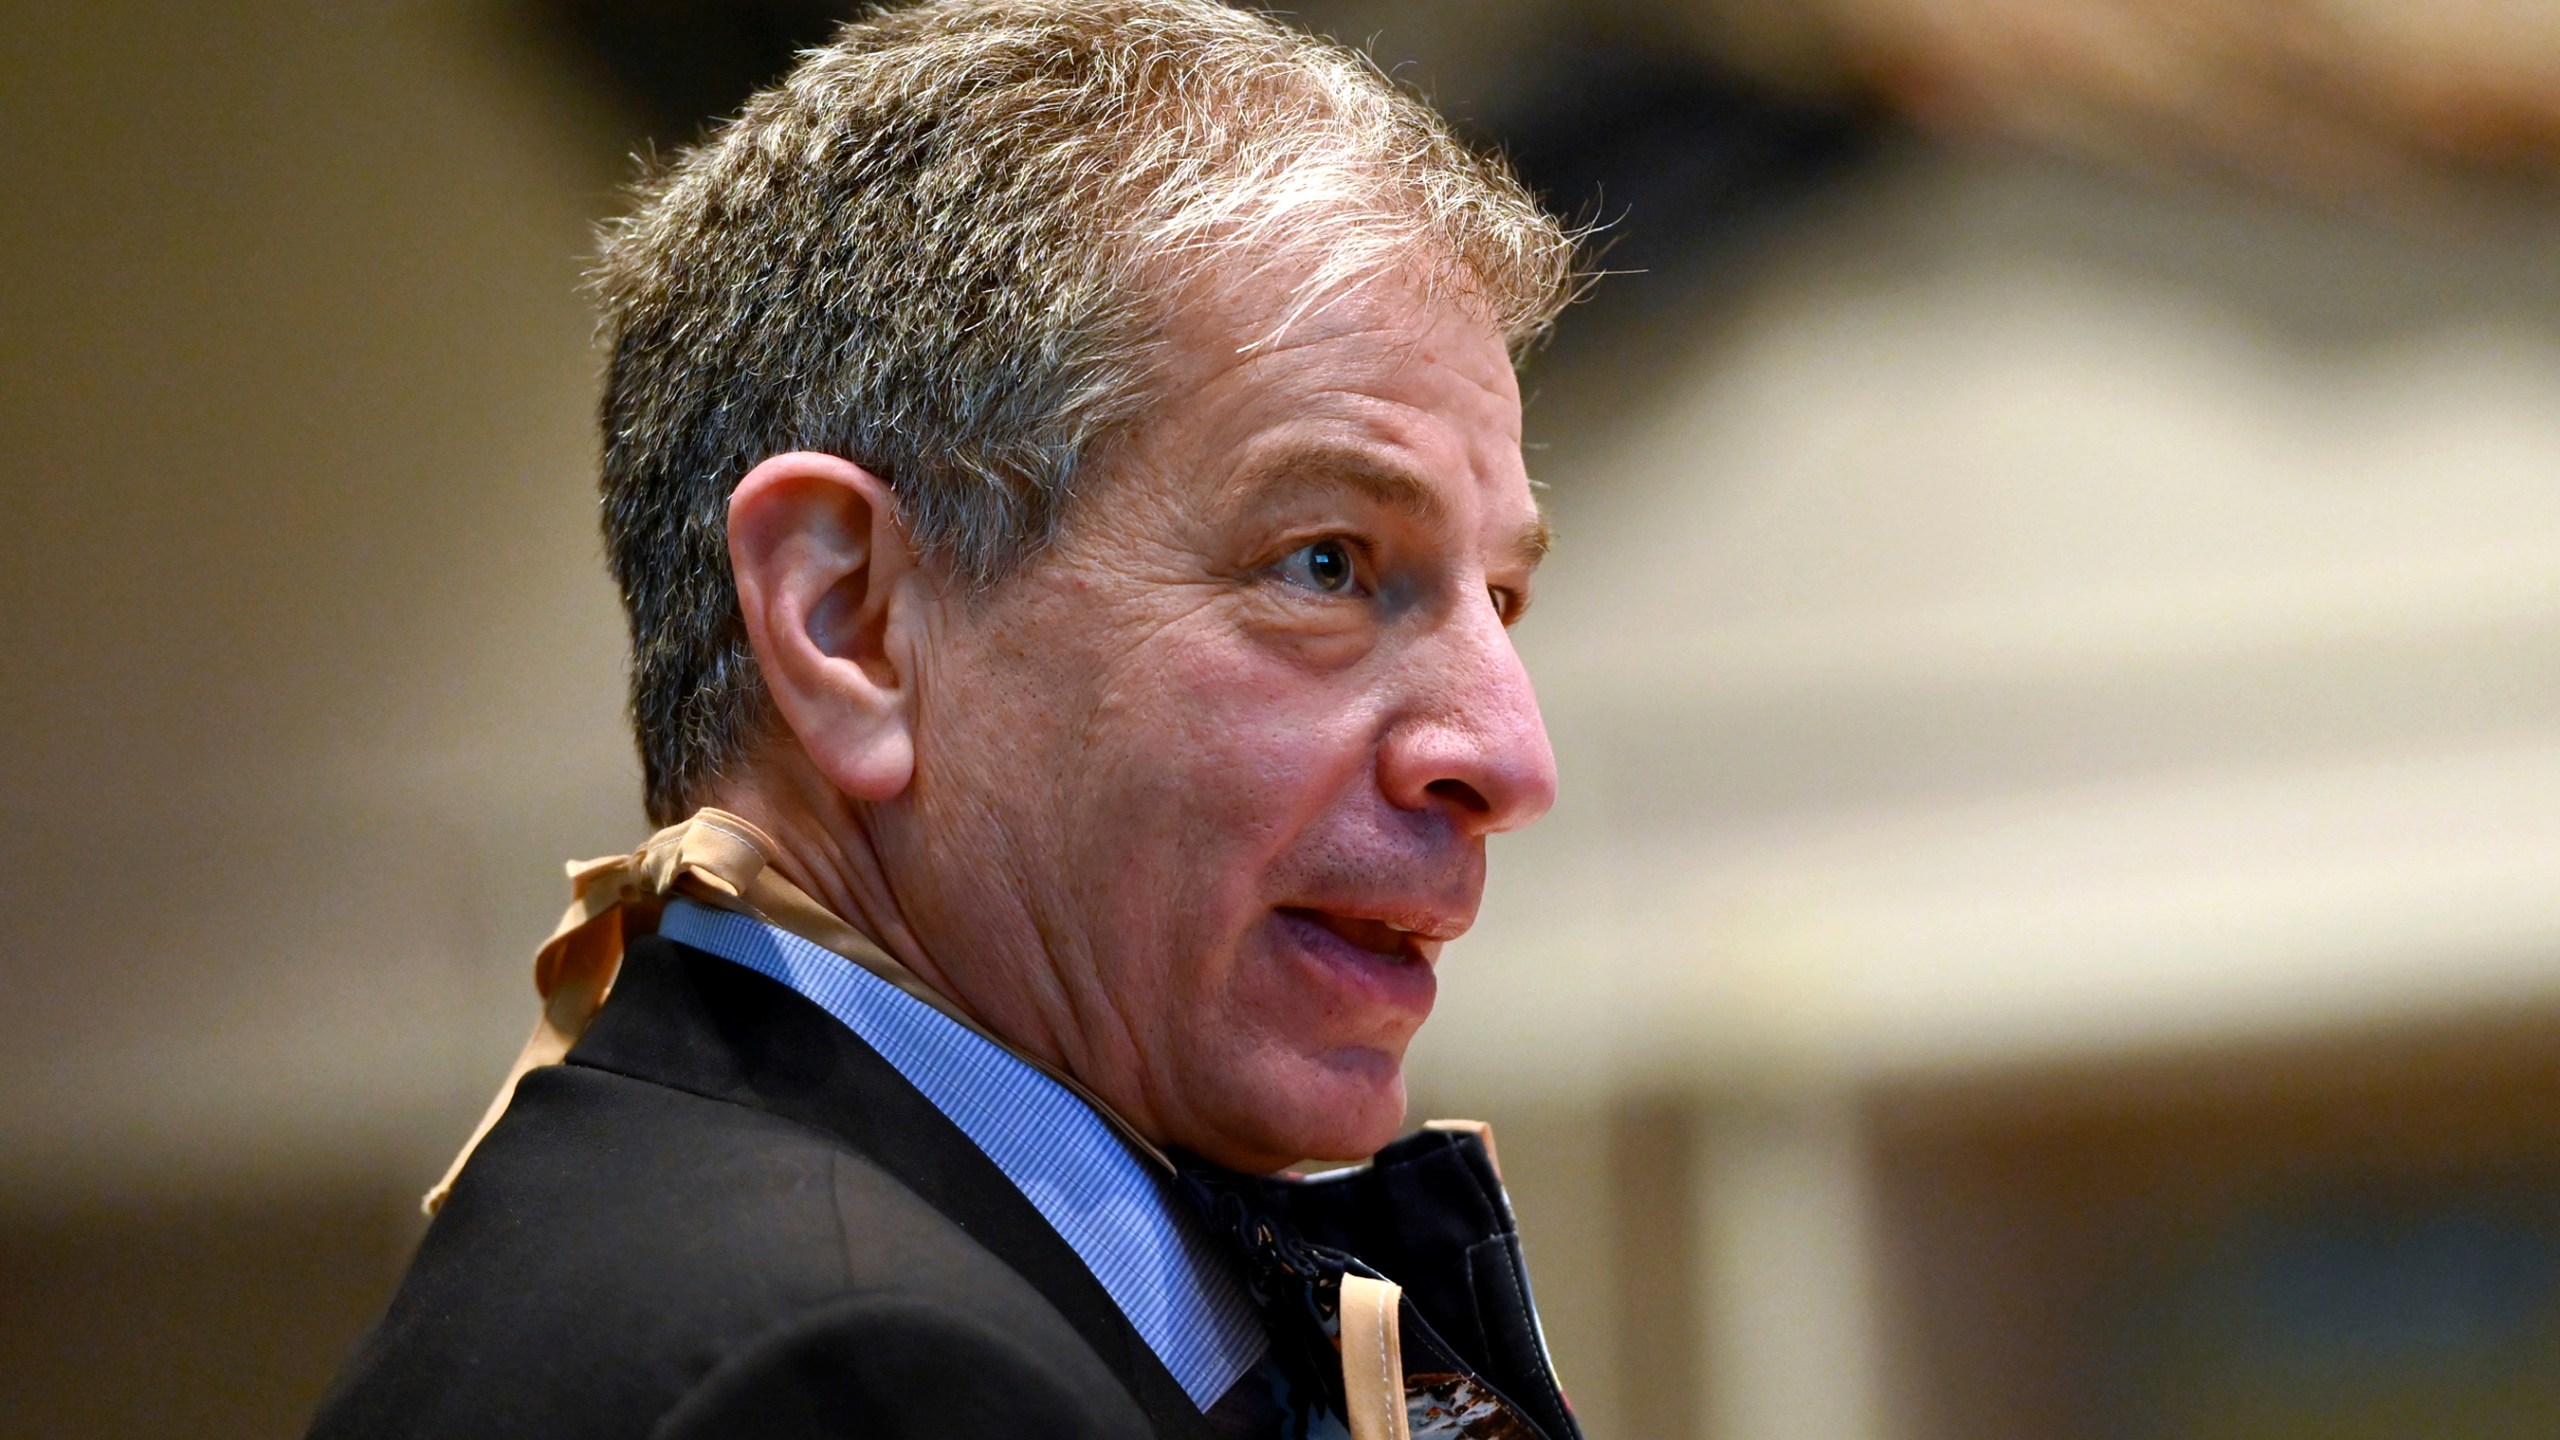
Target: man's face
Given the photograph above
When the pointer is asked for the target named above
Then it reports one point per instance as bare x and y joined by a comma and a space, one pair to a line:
1199, 795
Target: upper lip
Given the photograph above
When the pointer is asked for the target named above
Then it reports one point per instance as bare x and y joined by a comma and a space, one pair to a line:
1417, 932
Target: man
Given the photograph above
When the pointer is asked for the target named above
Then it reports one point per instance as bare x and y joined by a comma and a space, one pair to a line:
1062, 465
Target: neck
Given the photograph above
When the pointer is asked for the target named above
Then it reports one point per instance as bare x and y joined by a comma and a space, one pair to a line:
823, 846
835, 851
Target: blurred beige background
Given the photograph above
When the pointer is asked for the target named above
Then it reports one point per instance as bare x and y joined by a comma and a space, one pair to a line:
2054, 927
311, 670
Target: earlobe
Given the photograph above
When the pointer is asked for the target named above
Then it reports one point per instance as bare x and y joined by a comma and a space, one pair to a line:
823, 570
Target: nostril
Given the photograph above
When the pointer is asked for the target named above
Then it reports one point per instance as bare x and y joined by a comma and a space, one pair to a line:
1463, 795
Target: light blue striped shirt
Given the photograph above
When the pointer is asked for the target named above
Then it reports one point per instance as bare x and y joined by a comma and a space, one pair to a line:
1151, 1251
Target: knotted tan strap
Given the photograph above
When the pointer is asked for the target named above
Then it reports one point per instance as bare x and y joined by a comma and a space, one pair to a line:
1373, 1359
716, 859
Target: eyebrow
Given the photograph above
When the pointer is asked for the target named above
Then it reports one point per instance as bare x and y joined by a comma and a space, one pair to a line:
1388, 487
1534, 540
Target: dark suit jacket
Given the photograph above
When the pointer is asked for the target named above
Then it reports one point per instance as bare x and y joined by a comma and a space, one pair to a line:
726, 1215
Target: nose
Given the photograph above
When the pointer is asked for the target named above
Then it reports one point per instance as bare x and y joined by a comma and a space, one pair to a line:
1470, 741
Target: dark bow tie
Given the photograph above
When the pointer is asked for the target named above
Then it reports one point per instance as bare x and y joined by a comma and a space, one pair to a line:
1404, 1277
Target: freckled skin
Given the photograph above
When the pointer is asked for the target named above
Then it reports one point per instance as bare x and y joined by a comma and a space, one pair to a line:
1153, 768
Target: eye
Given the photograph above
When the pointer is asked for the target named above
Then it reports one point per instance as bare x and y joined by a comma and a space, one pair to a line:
1324, 566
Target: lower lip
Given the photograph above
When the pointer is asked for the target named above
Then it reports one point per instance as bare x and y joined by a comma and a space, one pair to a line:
1369, 980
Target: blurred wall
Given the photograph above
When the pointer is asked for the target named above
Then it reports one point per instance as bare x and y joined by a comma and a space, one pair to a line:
313, 670
312, 673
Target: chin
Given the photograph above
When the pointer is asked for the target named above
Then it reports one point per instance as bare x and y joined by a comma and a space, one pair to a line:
1341, 1105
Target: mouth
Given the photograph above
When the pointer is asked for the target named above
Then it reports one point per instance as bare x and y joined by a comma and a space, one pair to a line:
1388, 942
1375, 964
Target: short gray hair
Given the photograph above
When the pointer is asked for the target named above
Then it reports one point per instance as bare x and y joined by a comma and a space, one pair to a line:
942, 249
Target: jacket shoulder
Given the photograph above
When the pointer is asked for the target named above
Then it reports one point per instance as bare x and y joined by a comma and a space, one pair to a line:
621, 1253
897, 1365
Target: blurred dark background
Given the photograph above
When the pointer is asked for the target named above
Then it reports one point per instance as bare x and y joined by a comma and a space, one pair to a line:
2054, 926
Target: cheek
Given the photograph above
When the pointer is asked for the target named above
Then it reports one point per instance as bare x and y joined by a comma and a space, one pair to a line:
1204, 774
984, 735
1237, 755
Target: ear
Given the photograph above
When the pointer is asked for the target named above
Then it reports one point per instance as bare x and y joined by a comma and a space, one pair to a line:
822, 568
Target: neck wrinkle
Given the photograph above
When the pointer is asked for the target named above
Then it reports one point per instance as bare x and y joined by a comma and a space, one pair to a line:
832, 860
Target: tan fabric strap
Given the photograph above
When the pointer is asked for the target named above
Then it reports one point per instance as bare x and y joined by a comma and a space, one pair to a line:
1373, 1358
717, 859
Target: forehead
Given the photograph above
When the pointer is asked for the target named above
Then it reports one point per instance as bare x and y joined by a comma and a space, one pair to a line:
1380, 386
